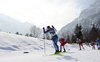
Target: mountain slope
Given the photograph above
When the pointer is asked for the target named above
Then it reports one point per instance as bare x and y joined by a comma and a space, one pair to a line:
8, 24
89, 16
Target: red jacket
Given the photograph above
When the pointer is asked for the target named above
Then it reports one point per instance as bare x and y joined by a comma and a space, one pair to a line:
62, 41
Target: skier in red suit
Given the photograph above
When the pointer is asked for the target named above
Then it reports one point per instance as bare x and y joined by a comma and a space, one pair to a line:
79, 41
63, 42
80, 44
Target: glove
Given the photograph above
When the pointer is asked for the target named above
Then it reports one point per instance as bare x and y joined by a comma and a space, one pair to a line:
43, 28
52, 26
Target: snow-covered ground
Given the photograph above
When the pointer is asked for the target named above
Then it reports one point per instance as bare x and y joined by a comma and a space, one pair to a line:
12, 47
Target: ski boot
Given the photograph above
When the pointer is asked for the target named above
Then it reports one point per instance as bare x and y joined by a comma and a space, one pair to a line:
57, 51
64, 50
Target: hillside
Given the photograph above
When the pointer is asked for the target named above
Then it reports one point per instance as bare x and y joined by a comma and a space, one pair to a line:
9, 24
13, 42
87, 18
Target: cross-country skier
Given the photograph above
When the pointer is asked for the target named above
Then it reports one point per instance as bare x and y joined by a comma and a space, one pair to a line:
52, 31
63, 42
79, 41
93, 44
87, 44
98, 42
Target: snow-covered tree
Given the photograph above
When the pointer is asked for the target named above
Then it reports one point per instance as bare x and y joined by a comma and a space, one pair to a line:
36, 32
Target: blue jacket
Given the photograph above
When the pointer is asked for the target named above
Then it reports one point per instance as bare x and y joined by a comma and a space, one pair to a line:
52, 32
98, 41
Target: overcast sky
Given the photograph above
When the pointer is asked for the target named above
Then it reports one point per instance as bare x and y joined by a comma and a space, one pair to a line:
44, 12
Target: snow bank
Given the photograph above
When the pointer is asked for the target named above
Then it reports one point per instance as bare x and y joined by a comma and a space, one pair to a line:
12, 47
13, 42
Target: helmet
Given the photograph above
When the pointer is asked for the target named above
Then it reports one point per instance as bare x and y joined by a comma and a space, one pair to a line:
48, 26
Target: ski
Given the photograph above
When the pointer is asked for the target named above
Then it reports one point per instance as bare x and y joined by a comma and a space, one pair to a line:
57, 53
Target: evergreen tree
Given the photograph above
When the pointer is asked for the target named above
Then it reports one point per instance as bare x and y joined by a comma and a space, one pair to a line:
68, 38
86, 35
78, 32
73, 39
98, 29
30, 35
98, 32
17, 33
93, 34
26, 34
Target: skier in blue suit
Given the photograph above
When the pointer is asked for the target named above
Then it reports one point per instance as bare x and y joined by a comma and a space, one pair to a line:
98, 42
52, 31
